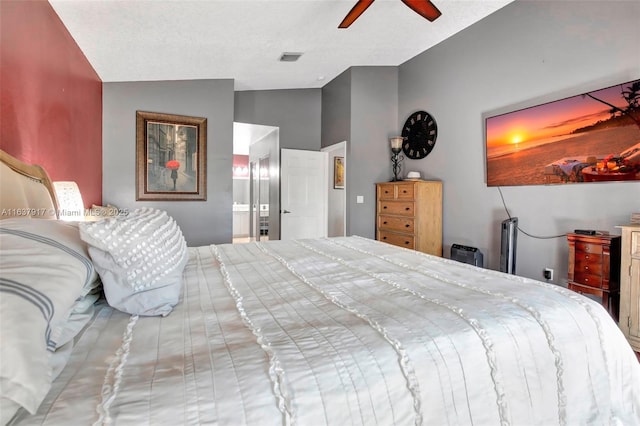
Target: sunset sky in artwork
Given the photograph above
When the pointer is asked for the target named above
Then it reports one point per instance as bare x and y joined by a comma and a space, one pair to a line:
536, 125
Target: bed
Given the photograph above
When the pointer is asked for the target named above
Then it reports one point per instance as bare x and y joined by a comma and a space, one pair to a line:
333, 331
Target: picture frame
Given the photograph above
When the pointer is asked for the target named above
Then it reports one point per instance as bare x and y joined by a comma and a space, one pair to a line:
171, 157
338, 172
585, 138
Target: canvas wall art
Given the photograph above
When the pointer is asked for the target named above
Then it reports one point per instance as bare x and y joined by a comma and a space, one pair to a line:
591, 137
170, 157
338, 172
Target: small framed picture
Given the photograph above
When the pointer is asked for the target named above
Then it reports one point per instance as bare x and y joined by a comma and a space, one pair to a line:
338, 172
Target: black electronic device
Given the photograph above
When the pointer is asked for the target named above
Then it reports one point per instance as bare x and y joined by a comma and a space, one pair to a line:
585, 231
466, 254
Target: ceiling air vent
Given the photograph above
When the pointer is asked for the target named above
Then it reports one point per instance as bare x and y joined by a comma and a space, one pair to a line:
290, 56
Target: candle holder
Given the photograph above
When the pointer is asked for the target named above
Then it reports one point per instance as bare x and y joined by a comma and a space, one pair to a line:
396, 158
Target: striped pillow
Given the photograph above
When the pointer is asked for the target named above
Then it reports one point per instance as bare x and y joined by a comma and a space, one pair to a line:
44, 270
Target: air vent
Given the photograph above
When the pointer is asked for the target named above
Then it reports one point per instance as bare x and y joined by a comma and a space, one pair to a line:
290, 56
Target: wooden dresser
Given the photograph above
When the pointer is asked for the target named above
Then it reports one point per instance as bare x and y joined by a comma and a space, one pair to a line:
630, 285
594, 267
409, 214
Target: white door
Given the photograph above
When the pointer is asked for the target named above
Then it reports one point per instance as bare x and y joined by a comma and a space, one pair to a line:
303, 194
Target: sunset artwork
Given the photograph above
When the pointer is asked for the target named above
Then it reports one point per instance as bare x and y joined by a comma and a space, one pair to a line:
591, 137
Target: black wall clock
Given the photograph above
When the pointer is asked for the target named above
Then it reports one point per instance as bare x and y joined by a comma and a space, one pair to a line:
419, 133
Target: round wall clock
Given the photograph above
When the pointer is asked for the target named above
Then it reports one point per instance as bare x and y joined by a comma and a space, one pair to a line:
419, 133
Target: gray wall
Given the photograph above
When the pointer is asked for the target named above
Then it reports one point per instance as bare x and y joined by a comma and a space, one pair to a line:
374, 111
525, 54
296, 112
202, 222
336, 110
360, 106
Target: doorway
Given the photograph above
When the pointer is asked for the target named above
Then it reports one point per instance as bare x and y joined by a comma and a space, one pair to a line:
252, 147
337, 198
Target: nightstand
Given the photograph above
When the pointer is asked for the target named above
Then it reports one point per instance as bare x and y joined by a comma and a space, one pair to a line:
594, 267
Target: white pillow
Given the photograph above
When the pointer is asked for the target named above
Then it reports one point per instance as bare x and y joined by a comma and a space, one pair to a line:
44, 270
140, 259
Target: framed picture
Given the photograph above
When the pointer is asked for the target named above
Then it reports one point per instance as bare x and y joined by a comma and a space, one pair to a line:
171, 157
338, 172
590, 137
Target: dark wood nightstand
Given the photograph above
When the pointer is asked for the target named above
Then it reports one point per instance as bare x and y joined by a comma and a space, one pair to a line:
594, 267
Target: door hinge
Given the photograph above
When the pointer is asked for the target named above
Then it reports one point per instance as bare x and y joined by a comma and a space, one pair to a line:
629, 321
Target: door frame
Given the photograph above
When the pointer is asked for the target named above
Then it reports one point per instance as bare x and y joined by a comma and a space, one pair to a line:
337, 150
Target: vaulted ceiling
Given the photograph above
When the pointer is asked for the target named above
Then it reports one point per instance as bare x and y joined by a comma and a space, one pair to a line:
148, 40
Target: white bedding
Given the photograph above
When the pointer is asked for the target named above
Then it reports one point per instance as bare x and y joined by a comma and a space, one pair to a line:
350, 331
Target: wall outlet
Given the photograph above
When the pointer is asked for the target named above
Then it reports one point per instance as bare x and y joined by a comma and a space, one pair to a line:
548, 274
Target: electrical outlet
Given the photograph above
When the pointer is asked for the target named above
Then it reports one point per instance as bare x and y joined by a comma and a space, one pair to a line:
548, 274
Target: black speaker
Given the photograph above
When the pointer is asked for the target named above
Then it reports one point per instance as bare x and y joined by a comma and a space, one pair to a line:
466, 254
508, 240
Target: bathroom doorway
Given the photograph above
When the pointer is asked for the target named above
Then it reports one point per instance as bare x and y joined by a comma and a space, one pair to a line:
256, 209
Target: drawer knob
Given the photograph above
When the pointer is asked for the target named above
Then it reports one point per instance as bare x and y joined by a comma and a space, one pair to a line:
404, 192
586, 257
384, 207
384, 223
586, 280
406, 242
407, 208
406, 226
384, 238
586, 268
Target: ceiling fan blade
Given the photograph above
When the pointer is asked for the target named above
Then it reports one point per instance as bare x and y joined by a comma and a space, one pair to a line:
424, 8
355, 12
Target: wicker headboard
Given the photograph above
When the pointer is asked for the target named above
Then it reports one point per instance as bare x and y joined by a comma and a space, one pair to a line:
25, 190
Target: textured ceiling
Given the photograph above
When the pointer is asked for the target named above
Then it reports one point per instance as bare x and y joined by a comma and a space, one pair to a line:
147, 40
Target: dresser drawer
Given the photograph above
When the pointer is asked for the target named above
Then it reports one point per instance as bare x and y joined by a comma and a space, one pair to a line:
589, 264
386, 191
404, 192
588, 248
590, 280
395, 191
583, 257
394, 223
396, 239
404, 208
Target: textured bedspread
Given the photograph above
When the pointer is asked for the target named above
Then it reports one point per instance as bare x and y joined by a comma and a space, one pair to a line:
350, 331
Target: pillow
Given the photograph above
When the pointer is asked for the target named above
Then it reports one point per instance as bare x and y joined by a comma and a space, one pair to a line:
140, 258
44, 270
79, 316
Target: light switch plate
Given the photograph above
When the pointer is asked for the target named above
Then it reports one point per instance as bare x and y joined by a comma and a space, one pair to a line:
359, 199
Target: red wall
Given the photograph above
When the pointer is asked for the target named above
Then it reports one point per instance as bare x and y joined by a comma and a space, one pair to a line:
51, 97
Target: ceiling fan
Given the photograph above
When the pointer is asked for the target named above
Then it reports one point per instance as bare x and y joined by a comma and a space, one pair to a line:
423, 8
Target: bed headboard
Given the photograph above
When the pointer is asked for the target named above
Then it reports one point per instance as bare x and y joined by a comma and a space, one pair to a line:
25, 190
